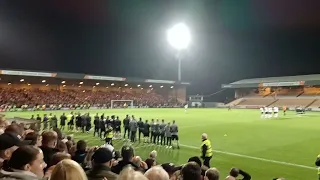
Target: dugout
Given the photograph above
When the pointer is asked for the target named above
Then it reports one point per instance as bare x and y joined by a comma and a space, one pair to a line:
60, 81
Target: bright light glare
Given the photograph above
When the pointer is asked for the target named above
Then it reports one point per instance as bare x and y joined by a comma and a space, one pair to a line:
179, 36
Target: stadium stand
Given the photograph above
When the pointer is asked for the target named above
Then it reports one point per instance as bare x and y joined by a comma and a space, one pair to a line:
290, 91
42, 90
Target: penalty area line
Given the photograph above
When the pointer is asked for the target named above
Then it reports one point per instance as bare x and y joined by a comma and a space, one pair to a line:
255, 158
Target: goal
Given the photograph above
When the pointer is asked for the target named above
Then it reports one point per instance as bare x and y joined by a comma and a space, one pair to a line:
121, 103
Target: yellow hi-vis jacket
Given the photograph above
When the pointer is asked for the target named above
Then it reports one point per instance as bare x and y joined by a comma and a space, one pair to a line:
209, 151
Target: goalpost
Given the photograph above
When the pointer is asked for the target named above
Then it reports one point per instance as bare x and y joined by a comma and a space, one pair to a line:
128, 102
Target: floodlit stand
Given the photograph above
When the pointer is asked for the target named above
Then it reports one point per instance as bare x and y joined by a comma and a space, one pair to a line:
130, 104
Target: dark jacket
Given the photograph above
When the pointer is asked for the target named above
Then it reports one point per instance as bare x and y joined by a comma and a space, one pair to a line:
79, 157
47, 155
123, 164
100, 172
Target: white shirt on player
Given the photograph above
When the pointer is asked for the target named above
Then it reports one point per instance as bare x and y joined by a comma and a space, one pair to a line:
270, 110
275, 109
186, 106
262, 110
266, 110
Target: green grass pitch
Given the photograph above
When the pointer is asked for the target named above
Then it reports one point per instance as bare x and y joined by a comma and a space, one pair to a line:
285, 147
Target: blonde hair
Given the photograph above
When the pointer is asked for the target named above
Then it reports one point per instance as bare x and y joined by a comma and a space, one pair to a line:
130, 174
68, 170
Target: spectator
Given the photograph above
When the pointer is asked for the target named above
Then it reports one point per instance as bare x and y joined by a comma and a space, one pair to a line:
3, 124
127, 154
16, 130
49, 142
138, 162
68, 170
55, 160
191, 171
26, 163
102, 163
150, 163
197, 160
170, 168
157, 173
34, 138
81, 152
62, 147
130, 174
8, 144
212, 174
234, 173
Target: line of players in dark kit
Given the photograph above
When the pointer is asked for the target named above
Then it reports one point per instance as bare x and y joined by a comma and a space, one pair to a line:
109, 127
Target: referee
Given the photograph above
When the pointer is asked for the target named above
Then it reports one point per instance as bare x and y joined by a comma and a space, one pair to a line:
206, 150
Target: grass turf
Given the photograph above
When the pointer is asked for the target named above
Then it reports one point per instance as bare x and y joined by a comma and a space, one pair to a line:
261, 147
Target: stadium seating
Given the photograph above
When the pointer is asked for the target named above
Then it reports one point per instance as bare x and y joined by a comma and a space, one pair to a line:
256, 101
34, 97
293, 102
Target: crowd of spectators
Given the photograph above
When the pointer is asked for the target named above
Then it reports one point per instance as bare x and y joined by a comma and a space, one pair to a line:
29, 155
32, 98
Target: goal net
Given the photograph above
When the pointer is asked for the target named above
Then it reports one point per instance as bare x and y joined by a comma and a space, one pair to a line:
121, 104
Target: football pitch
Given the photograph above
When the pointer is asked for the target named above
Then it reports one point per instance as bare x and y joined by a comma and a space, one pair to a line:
265, 148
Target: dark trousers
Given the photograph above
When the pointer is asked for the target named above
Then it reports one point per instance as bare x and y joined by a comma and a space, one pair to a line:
140, 132
163, 139
104, 133
168, 141
156, 138
126, 129
96, 130
206, 161
88, 127
133, 136
83, 128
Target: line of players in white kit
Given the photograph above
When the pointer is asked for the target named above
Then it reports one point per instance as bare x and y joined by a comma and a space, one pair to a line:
269, 112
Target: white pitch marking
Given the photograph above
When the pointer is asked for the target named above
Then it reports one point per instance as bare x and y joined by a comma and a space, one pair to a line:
255, 158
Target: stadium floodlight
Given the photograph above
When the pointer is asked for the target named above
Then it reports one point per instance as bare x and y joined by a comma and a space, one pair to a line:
179, 37
43, 81
21, 80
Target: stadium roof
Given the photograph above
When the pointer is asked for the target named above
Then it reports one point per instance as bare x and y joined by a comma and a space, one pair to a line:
85, 76
313, 79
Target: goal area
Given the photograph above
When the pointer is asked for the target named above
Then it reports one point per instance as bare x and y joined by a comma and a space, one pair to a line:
121, 104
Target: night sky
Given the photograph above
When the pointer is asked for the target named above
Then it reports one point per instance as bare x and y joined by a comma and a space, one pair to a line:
231, 39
